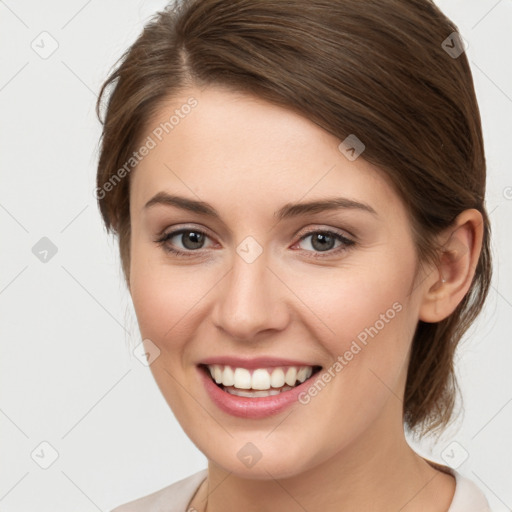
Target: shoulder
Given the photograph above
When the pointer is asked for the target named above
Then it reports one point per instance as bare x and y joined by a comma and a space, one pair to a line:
468, 497
173, 498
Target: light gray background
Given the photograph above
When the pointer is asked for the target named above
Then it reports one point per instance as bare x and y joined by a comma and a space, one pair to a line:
68, 377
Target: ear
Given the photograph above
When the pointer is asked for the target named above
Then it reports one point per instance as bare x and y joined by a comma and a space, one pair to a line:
446, 285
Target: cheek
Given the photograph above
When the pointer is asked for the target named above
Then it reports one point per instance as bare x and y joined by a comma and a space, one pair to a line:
358, 301
167, 298
364, 318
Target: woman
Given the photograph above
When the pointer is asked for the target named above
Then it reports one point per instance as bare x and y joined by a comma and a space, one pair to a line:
298, 191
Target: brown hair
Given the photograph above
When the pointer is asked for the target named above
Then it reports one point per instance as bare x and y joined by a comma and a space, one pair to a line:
378, 69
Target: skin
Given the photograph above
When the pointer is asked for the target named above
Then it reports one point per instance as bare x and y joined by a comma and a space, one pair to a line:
345, 450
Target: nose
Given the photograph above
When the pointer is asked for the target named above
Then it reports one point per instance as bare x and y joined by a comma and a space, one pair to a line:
250, 300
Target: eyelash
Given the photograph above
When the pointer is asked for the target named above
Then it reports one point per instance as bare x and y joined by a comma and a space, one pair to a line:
346, 243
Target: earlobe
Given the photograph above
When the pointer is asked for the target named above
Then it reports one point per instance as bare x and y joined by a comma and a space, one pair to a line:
447, 284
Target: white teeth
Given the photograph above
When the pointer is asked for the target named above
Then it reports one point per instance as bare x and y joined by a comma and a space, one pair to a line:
255, 394
217, 373
228, 377
242, 378
277, 379
304, 373
291, 376
261, 379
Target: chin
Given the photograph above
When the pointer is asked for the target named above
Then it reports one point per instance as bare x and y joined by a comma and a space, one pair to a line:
254, 457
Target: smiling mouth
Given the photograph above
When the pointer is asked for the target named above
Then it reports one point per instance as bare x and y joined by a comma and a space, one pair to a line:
259, 382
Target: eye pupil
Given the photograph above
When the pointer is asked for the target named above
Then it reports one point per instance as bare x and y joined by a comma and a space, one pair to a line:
196, 239
326, 241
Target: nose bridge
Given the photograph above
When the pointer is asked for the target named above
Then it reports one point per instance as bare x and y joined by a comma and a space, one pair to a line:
250, 298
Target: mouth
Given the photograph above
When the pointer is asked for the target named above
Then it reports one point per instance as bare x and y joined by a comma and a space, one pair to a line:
258, 382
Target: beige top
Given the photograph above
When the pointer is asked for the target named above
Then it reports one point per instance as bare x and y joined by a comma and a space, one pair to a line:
177, 496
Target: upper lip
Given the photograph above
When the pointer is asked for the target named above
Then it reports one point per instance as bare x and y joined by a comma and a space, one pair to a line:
255, 362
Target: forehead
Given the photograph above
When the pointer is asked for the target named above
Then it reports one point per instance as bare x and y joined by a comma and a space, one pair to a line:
241, 150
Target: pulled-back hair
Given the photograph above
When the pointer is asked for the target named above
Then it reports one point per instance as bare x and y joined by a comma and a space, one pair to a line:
393, 72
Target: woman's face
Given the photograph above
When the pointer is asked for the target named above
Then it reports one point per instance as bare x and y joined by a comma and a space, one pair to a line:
265, 286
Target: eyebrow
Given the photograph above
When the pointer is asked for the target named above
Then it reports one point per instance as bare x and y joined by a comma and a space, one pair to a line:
289, 210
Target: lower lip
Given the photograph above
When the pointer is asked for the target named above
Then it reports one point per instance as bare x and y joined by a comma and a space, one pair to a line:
251, 408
